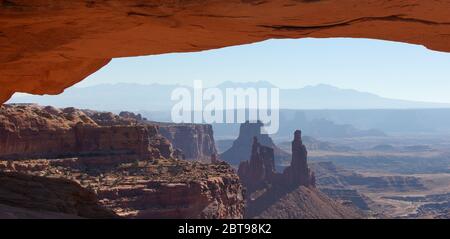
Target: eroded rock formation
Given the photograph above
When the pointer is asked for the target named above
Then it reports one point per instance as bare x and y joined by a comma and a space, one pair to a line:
298, 173
291, 194
242, 147
49, 45
190, 141
259, 172
131, 168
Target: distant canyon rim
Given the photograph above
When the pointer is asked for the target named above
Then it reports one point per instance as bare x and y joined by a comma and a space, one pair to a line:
191, 108
47, 46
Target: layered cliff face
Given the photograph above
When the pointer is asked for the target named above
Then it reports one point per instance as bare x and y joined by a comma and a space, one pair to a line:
127, 163
157, 188
49, 45
196, 141
32, 131
242, 147
190, 141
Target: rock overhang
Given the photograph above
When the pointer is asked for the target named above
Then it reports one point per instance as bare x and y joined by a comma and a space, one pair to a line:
47, 46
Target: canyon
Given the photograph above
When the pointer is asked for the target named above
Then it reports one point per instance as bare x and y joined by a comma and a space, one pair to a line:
105, 165
47, 46
290, 194
383, 176
72, 163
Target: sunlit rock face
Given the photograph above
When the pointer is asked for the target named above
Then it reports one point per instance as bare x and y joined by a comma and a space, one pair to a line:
49, 45
196, 141
33, 131
75, 163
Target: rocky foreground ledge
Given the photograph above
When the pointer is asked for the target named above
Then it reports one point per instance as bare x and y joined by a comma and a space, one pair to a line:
64, 163
159, 188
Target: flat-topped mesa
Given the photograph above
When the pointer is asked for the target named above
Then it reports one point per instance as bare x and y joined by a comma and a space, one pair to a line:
241, 149
32, 131
298, 173
259, 171
248, 129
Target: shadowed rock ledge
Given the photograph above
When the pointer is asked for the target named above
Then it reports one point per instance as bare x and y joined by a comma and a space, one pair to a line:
47, 46
43, 195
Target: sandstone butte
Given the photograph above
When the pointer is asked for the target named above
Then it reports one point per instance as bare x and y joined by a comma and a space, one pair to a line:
49, 45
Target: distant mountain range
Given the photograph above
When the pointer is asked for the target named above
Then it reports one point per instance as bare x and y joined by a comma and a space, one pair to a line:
156, 97
330, 97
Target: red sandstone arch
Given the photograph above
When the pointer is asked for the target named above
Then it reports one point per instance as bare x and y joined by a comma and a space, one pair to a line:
49, 45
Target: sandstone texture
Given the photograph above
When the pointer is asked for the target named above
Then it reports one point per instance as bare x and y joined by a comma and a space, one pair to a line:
57, 159
190, 141
47, 198
32, 131
49, 45
158, 188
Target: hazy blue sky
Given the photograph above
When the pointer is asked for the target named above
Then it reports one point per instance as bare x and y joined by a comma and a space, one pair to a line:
388, 69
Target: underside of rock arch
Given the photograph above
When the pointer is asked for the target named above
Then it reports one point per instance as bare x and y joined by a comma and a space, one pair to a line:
49, 45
